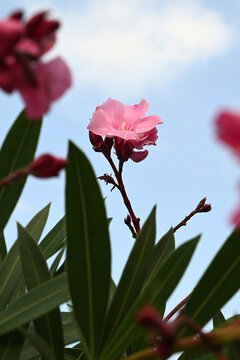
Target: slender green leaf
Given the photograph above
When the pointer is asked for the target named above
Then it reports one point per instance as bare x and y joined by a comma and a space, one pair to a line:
16, 152
3, 247
218, 319
11, 345
88, 249
218, 284
10, 268
155, 293
54, 240
70, 333
39, 343
37, 302
133, 276
56, 262
35, 272
164, 247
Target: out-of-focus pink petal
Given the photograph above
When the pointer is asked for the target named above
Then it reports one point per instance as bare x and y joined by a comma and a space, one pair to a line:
147, 123
6, 80
135, 112
58, 77
228, 129
235, 218
138, 156
10, 32
28, 47
52, 80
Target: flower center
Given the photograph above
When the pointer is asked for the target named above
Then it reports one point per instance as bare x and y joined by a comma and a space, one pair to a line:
123, 125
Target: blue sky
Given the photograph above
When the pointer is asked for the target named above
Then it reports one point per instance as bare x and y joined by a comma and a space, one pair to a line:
183, 58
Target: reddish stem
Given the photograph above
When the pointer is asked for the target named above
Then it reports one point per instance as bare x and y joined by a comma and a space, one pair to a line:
17, 174
177, 307
201, 207
118, 175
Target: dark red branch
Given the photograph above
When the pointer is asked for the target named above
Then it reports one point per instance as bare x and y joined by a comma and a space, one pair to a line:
201, 207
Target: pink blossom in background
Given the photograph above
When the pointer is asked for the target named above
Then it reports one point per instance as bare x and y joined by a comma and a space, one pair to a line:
22, 44
127, 125
47, 165
228, 132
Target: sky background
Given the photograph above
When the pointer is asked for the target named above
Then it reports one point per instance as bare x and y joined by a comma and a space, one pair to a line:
183, 58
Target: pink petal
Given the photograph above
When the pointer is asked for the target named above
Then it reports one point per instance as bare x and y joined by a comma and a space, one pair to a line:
58, 77
10, 32
139, 155
235, 218
53, 79
28, 47
114, 111
100, 124
147, 123
135, 112
228, 130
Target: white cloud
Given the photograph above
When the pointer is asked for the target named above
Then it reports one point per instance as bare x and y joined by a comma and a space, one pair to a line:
126, 45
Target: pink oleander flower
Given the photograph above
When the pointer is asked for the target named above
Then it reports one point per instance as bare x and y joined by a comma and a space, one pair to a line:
47, 165
228, 131
22, 45
127, 125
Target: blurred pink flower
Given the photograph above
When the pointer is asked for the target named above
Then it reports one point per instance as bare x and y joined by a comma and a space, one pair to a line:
22, 45
228, 131
127, 125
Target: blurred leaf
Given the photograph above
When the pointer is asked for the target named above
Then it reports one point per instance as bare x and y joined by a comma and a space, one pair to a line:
3, 247
69, 331
11, 345
10, 268
218, 284
113, 287
54, 240
197, 356
138, 345
88, 249
40, 344
17, 151
35, 271
155, 293
35, 303
133, 276
218, 319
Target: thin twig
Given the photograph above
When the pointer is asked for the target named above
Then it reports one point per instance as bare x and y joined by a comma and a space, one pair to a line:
201, 207
177, 307
121, 188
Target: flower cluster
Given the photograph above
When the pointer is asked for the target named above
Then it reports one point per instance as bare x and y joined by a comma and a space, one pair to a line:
126, 126
22, 45
228, 131
162, 333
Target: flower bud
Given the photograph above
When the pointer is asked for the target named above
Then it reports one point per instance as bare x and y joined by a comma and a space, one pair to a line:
47, 166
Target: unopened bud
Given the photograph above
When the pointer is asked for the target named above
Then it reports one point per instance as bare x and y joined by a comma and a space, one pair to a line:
205, 208
201, 203
47, 166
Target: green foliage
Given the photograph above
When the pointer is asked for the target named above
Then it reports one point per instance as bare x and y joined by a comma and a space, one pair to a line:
218, 284
101, 317
88, 249
17, 151
36, 272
